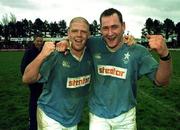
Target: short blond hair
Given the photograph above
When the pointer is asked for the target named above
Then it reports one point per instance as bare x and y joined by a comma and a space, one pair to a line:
81, 19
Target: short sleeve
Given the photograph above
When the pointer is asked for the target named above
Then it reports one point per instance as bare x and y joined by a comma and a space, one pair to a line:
47, 67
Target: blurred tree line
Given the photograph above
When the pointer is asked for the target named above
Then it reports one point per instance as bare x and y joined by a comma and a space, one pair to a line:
168, 29
10, 27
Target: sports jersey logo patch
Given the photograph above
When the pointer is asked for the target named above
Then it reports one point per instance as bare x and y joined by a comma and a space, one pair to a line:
97, 56
66, 64
112, 71
126, 58
78, 81
89, 62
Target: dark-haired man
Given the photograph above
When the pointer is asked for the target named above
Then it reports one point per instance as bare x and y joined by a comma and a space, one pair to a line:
117, 68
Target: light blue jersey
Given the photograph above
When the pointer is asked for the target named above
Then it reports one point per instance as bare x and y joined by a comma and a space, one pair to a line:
116, 75
66, 84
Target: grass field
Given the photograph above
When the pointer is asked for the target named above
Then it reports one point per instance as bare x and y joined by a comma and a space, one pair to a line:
157, 109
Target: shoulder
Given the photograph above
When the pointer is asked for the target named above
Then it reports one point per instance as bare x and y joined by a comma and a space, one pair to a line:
52, 59
95, 42
138, 48
95, 38
55, 54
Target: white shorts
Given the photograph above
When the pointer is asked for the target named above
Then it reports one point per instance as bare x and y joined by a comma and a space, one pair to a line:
126, 121
47, 123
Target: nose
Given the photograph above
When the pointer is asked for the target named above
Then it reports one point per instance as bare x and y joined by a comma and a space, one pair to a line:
79, 33
110, 32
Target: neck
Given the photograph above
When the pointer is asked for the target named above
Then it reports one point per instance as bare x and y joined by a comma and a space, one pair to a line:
77, 53
115, 48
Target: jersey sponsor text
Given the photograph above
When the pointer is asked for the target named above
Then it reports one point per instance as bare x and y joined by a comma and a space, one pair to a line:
112, 71
78, 81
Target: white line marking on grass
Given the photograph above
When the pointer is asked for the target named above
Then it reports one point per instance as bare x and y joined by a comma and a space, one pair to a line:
160, 103
174, 49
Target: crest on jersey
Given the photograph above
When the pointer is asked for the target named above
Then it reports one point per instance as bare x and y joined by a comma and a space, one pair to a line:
89, 62
97, 55
126, 58
66, 64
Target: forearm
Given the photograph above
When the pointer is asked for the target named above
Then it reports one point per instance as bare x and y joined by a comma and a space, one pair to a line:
164, 72
31, 73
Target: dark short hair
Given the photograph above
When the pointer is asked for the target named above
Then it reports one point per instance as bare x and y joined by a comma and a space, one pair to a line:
37, 35
109, 12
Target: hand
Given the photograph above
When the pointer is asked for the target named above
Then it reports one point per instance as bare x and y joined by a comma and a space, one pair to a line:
62, 46
129, 39
47, 49
157, 43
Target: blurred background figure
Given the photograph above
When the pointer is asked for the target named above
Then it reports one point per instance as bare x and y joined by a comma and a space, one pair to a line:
35, 88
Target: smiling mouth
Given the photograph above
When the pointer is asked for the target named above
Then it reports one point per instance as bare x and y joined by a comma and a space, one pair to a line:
78, 40
111, 38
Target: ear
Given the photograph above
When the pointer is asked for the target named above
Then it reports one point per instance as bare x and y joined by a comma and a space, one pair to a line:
123, 26
100, 29
68, 32
89, 34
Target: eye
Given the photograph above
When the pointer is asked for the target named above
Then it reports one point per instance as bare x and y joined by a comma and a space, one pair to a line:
114, 26
104, 28
74, 31
84, 32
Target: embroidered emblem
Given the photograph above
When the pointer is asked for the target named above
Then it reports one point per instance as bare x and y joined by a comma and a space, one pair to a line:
66, 64
89, 62
97, 56
126, 58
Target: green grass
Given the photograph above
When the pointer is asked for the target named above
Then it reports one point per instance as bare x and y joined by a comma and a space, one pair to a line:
157, 109
13, 94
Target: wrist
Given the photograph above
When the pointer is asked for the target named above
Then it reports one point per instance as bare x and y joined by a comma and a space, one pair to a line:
41, 56
165, 58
